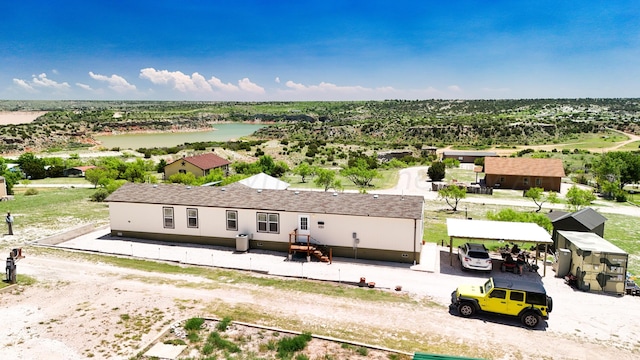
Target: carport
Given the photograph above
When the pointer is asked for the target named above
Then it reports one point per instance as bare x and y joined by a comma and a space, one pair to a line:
484, 230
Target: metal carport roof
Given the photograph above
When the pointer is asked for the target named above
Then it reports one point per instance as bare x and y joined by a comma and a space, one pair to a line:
496, 230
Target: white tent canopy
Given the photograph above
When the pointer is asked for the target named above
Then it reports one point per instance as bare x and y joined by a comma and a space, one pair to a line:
496, 230
264, 181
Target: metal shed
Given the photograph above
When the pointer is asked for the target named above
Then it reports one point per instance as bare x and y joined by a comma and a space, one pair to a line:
484, 230
597, 264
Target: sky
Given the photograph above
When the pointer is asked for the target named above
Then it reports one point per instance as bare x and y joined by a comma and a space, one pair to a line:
270, 50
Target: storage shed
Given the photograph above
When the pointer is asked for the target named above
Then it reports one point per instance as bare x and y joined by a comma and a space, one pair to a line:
586, 220
597, 264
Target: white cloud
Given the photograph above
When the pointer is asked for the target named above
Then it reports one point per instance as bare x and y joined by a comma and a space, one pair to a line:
43, 81
24, 85
277, 80
218, 84
177, 79
329, 91
454, 88
40, 82
115, 82
197, 83
84, 86
246, 85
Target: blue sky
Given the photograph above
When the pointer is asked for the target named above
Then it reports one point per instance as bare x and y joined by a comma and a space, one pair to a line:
318, 50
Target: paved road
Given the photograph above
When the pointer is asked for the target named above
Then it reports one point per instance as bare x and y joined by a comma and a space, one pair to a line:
413, 181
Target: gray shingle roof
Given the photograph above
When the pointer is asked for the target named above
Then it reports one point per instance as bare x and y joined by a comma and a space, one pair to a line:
587, 217
238, 196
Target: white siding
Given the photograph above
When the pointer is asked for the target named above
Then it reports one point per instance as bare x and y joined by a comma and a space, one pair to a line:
372, 232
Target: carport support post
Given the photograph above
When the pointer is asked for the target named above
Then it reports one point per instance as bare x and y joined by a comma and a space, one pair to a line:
544, 261
451, 250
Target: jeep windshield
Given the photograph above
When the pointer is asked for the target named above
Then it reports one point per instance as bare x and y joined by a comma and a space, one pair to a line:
488, 286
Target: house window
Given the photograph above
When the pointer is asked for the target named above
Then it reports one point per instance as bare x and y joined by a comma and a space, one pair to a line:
304, 223
501, 179
182, 171
538, 182
168, 217
192, 218
232, 220
268, 222
525, 181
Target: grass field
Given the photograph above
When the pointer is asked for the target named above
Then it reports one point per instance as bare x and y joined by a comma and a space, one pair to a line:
592, 141
54, 208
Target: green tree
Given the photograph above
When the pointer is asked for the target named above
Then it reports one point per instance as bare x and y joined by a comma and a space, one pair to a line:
539, 198
618, 166
97, 175
360, 173
452, 194
578, 198
32, 166
187, 178
326, 179
10, 177
161, 164
515, 216
436, 171
304, 170
136, 171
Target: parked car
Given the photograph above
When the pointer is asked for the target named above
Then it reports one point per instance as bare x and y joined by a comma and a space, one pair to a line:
523, 299
631, 288
474, 257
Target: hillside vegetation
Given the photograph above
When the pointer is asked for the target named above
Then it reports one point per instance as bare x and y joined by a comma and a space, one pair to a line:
392, 123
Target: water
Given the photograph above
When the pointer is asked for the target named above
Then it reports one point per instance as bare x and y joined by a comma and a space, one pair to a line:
223, 132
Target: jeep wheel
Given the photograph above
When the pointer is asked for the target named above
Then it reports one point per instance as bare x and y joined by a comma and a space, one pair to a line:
530, 319
466, 309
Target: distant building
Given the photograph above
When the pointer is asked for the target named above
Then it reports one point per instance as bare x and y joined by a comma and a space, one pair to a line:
78, 171
466, 156
523, 173
199, 165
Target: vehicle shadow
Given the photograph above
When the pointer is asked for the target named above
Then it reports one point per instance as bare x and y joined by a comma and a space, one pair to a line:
500, 319
451, 266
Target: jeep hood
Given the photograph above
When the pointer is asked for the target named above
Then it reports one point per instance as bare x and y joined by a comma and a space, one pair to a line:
471, 290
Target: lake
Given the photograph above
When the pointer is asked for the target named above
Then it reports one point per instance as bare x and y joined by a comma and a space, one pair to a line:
222, 132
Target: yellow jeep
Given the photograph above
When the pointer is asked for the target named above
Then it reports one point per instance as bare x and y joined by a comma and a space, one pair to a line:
524, 299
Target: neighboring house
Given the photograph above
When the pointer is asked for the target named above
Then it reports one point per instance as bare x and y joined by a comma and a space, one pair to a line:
585, 220
78, 171
523, 173
352, 225
199, 165
264, 181
467, 156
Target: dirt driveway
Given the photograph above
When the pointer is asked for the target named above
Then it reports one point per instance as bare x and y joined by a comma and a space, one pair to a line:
76, 310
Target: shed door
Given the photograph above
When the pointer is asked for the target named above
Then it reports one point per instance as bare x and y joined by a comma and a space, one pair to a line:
303, 228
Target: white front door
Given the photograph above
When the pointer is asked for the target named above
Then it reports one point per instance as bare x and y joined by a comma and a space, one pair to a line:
303, 228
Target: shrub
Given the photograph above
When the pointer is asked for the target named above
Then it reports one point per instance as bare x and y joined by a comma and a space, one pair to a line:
290, 345
31, 191
193, 324
216, 340
99, 195
224, 324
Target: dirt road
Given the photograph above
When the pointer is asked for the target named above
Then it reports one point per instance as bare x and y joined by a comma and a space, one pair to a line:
81, 309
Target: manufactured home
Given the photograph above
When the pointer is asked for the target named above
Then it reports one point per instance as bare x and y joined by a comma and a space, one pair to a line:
351, 225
